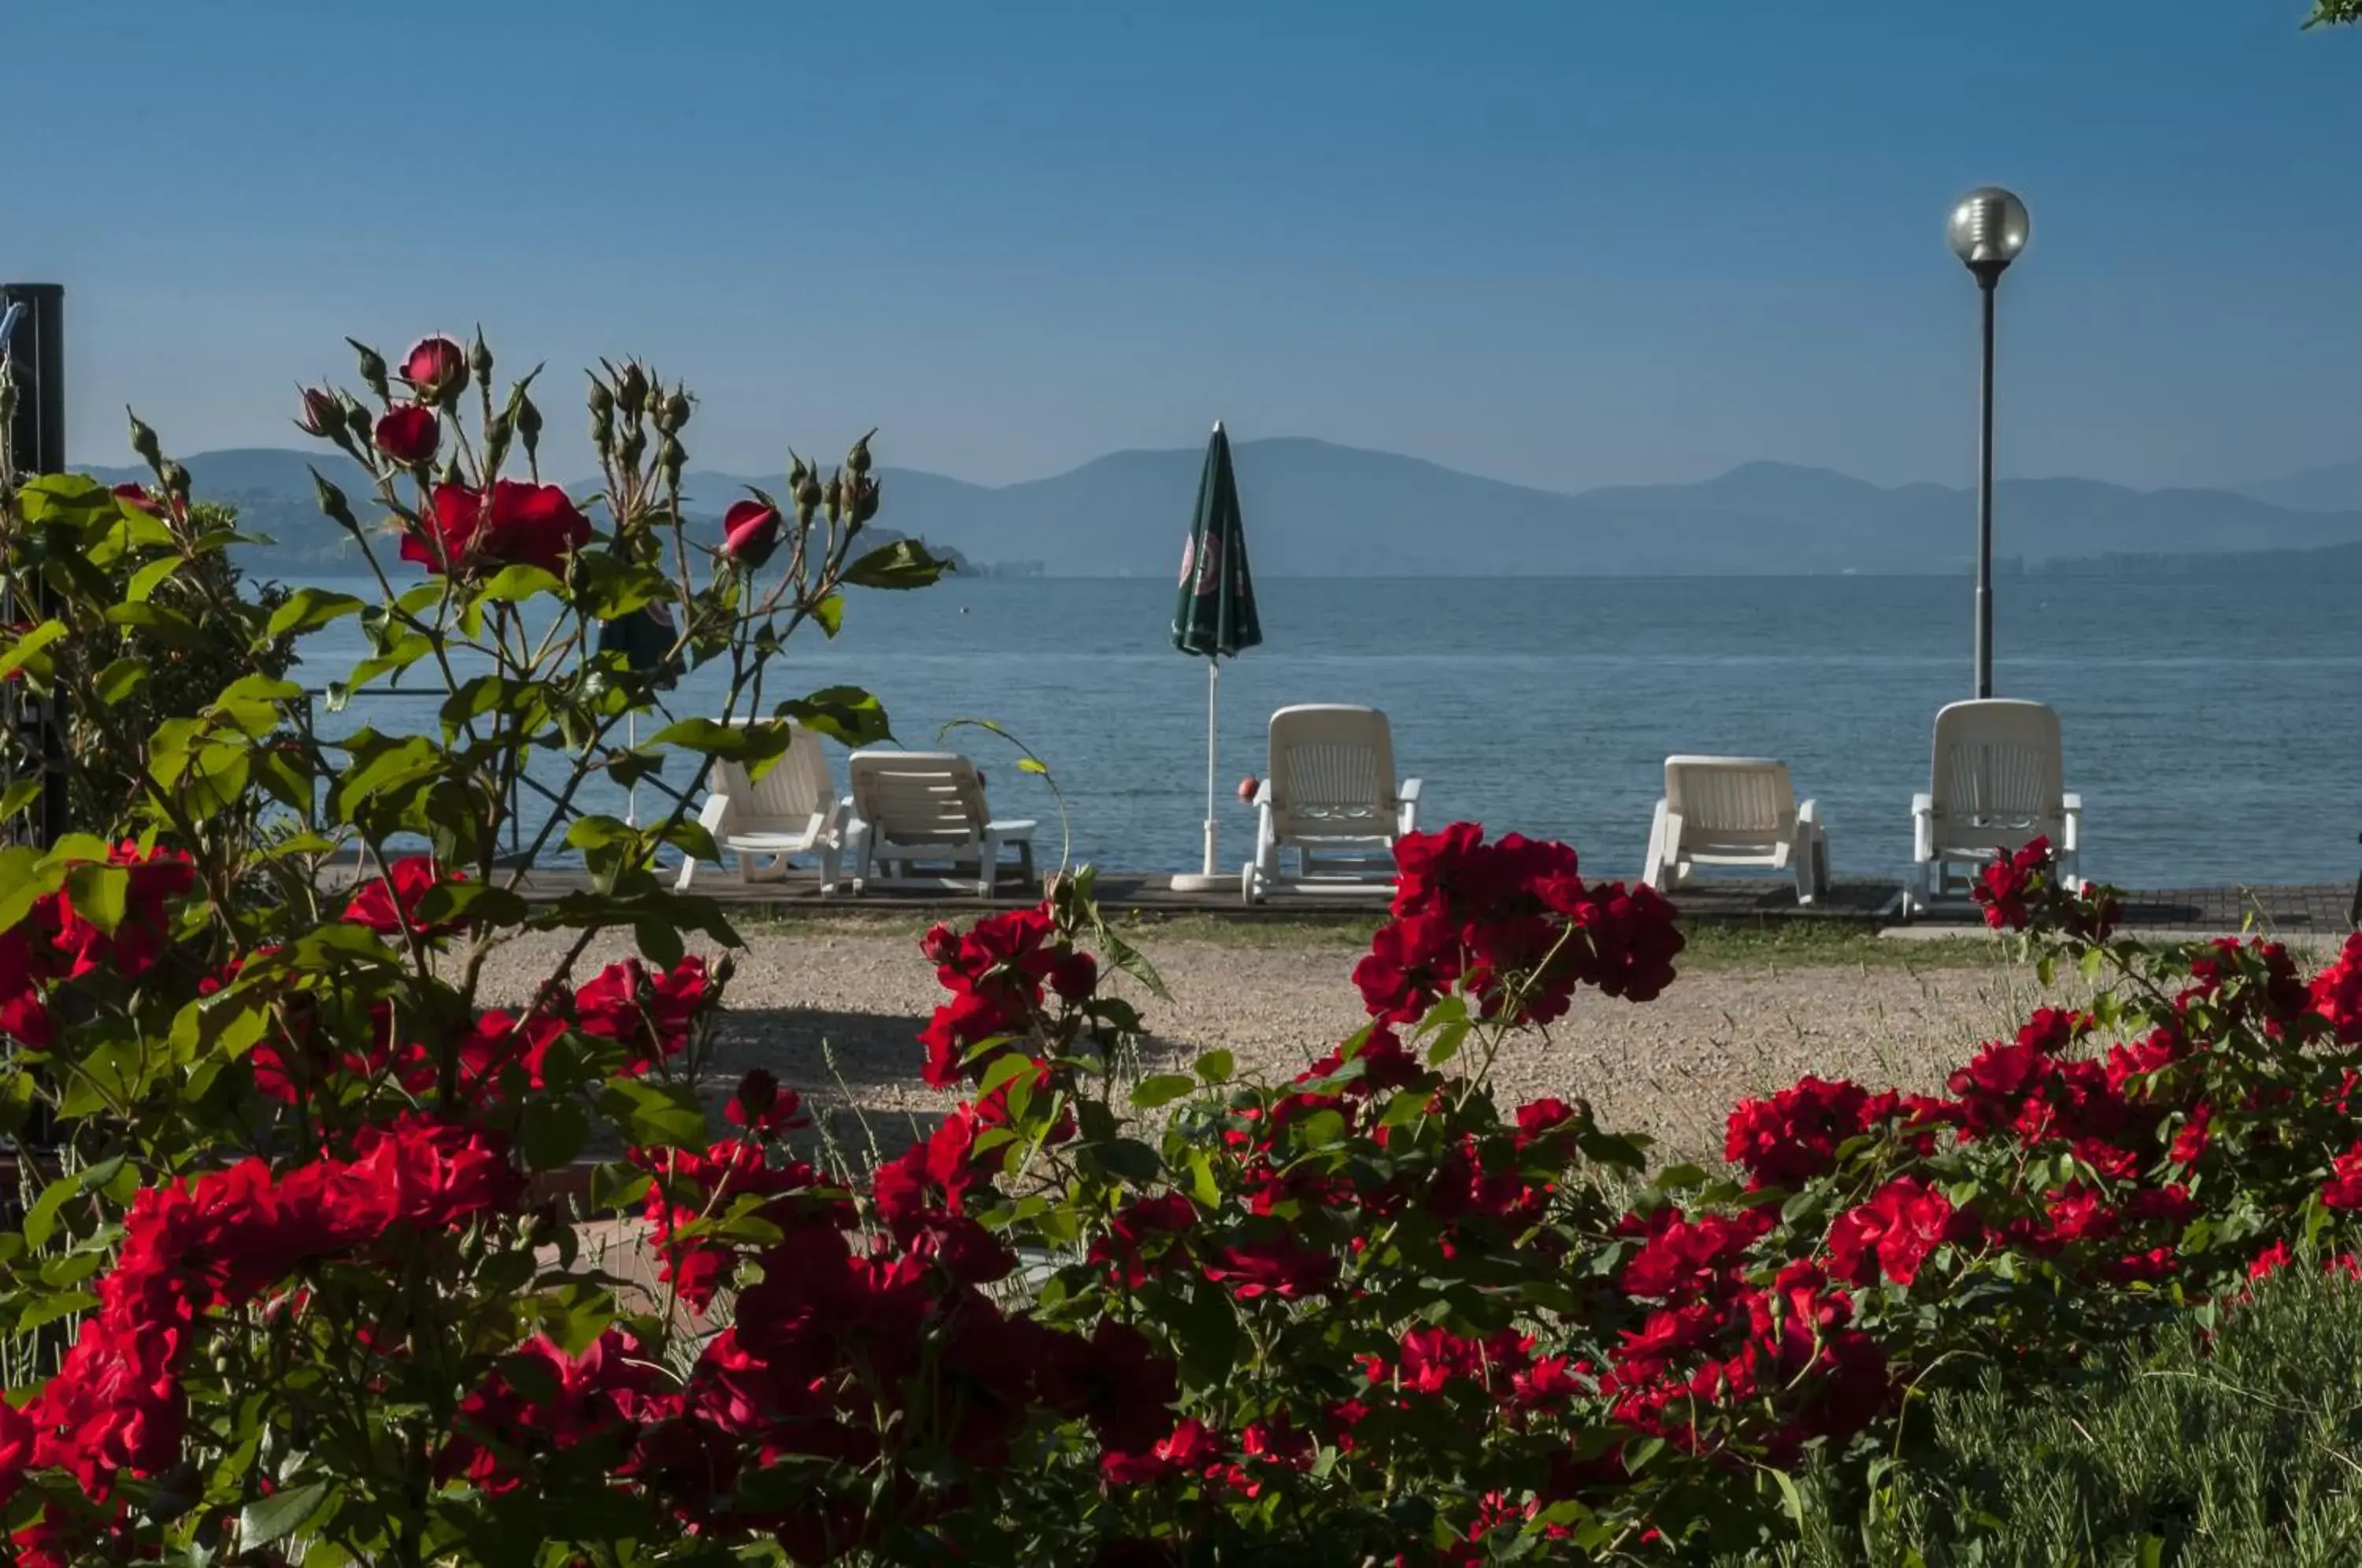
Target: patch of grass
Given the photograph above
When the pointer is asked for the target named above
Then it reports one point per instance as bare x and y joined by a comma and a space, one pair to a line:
2247, 1450
1712, 944
1824, 944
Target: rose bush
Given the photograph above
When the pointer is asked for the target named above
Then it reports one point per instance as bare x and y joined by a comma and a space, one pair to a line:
299, 1284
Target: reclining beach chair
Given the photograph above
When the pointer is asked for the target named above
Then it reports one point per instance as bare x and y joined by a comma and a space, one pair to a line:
921, 821
1735, 812
1329, 796
1996, 785
793, 808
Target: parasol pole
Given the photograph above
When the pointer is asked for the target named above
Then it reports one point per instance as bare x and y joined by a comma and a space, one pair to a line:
1213, 685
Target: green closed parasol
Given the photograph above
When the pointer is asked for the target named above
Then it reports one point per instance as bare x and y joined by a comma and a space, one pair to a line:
1214, 608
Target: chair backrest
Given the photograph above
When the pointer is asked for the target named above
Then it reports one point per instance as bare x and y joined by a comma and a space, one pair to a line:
1999, 776
791, 791
1332, 770
1731, 802
918, 797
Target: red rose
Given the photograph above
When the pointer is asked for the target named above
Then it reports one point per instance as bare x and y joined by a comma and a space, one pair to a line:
406, 881
530, 524
436, 368
1247, 787
322, 414
410, 435
750, 532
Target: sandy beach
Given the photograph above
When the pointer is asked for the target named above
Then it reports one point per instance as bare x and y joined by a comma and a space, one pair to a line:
832, 1009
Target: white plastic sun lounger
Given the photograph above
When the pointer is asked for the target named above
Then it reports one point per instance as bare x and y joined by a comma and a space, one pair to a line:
921, 821
1739, 812
1329, 796
1995, 784
793, 808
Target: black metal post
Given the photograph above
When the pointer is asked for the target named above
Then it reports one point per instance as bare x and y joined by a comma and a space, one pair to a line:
36, 445
1988, 280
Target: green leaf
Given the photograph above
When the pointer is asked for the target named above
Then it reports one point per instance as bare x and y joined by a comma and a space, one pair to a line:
830, 613
120, 680
308, 610
101, 894
844, 714
1216, 1067
148, 579
49, 1308
615, 1185
282, 1513
902, 564
1162, 1089
1790, 1498
41, 1219
749, 742
170, 625
1131, 1159
552, 1132
515, 584
656, 1115
27, 644
576, 1314
1033, 765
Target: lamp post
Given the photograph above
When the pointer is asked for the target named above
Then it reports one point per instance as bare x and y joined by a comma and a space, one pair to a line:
1988, 228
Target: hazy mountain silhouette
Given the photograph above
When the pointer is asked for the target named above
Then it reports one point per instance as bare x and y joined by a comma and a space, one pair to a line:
2338, 488
1315, 508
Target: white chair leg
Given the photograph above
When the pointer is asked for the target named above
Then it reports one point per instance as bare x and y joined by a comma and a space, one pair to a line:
988, 867
828, 869
1660, 856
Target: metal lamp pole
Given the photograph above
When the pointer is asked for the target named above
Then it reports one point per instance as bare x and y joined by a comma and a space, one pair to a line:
1988, 229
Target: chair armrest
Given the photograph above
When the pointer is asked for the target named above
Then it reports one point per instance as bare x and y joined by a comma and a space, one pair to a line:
710, 817
2070, 811
1406, 806
1262, 794
1923, 828
1810, 811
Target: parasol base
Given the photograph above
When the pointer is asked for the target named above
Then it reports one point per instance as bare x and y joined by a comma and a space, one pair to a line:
1194, 882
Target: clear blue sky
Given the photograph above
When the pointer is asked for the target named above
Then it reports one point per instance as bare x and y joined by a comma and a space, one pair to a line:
1562, 243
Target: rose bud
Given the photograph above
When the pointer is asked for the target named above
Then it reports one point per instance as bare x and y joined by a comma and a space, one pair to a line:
480, 359
137, 495
631, 387
1247, 787
144, 442
528, 426
857, 459
372, 364
759, 1090
436, 368
322, 415
409, 434
940, 945
750, 531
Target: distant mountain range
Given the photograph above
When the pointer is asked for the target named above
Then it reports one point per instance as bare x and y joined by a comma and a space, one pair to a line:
1317, 508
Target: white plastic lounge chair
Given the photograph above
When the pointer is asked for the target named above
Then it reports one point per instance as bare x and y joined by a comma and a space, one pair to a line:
1996, 784
1331, 796
917, 810
1737, 812
793, 808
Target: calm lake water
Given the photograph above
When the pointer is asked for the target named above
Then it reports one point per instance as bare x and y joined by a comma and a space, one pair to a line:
2214, 731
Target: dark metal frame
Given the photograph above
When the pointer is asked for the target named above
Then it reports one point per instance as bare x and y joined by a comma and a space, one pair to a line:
36, 442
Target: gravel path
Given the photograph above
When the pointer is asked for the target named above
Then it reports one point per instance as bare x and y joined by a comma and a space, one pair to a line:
829, 1007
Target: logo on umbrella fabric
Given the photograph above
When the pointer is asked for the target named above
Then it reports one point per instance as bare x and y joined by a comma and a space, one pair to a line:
1189, 554
1209, 566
